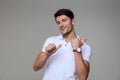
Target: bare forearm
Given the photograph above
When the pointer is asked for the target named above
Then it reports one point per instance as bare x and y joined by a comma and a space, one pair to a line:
40, 61
43, 56
82, 67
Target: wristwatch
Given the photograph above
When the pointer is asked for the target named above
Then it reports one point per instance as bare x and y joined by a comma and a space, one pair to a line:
77, 50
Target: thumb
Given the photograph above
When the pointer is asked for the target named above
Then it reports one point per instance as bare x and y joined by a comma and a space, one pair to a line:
59, 46
83, 40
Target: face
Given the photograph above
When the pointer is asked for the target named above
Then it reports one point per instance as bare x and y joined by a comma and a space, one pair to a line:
65, 24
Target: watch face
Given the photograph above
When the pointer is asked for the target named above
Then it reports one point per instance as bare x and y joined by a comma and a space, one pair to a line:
78, 49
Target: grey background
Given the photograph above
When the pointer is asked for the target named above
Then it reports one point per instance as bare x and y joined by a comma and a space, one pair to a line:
25, 24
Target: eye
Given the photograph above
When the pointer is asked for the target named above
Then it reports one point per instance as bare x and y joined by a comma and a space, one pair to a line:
58, 22
64, 20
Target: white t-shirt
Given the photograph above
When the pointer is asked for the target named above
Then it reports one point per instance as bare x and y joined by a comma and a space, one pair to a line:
61, 64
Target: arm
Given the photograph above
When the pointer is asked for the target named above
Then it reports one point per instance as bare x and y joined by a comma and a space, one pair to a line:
40, 61
43, 56
82, 66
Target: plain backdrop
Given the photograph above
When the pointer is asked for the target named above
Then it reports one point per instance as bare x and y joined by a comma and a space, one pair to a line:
25, 25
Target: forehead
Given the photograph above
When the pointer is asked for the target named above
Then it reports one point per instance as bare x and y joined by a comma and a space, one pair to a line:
61, 17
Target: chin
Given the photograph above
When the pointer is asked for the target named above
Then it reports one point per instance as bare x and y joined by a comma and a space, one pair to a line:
64, 34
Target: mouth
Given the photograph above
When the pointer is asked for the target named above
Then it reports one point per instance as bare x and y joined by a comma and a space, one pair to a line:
62, 28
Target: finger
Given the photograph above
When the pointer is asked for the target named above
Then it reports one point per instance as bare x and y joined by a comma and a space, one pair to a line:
83, 40
71, 39
59, 46
53, 46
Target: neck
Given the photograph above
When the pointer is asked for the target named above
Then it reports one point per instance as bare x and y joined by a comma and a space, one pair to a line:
69, 36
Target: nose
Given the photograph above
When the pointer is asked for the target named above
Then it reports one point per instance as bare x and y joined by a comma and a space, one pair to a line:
61, 24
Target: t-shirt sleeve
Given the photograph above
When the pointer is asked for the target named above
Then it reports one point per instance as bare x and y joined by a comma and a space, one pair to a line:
86, 52
45, 44
47, 41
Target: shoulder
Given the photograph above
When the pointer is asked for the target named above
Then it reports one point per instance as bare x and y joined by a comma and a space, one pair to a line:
86, 48
85, 45
86, 52
52, 38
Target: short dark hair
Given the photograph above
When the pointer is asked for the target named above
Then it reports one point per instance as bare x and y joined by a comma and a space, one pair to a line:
66, 12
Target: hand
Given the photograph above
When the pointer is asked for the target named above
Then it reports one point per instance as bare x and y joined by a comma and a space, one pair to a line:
51, 48
76, 42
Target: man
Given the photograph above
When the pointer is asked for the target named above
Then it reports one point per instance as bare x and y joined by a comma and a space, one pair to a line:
67, 55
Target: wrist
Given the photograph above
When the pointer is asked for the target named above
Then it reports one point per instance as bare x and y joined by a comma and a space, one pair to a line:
78, 50
47, 53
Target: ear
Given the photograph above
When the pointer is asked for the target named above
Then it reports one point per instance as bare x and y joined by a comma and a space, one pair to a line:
73, 21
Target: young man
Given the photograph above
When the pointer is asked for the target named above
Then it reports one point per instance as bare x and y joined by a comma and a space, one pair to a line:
67, 55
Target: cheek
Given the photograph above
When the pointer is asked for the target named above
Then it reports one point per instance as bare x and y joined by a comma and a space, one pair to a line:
67, 25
